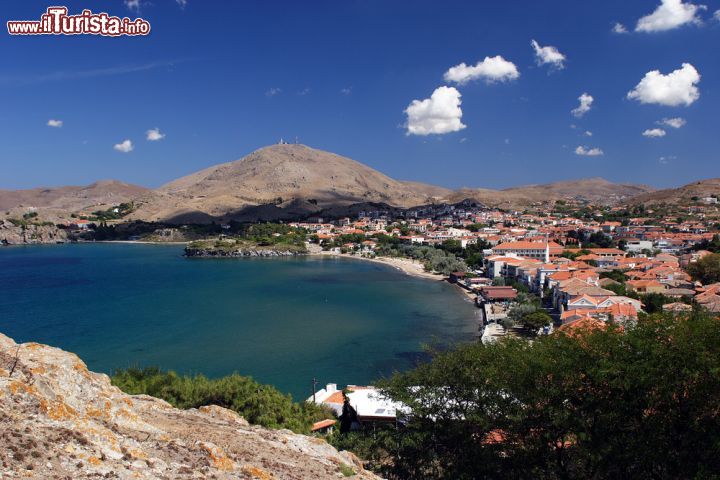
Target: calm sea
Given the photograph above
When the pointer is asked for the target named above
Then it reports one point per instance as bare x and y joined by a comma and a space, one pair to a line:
282, 321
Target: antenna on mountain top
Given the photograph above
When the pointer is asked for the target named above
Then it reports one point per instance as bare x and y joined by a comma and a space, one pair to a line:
296, 140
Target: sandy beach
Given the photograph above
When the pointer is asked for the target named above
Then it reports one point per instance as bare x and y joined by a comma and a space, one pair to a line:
406, 265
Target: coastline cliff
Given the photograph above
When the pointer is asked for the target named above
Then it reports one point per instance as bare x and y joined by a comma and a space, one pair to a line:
60, 420
26, 234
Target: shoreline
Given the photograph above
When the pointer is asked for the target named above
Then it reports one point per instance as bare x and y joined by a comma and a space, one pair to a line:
405, 265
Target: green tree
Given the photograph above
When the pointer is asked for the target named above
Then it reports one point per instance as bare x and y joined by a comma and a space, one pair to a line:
706, 269
639, 403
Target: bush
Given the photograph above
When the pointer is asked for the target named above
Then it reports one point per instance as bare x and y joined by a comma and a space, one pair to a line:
258, 404
639, 403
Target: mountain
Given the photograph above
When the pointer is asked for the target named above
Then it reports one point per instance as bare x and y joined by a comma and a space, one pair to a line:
680, 195
60, 420
594, 190
279, 181
100, 194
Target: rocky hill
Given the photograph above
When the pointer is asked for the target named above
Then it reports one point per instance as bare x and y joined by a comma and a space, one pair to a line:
59, 420
284, 182
274, 182
106, 192
594, 190
681, 195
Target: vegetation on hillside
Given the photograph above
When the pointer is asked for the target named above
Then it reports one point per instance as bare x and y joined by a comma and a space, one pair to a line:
258, 404
636, 403
260, 236
706, 269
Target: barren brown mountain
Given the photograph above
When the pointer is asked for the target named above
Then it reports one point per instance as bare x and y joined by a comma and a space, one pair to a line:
681, 195
594, 190
279, 181
290, 182
71, 199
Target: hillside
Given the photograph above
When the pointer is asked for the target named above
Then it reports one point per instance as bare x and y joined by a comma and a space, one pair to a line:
59, 420
594, 190
680, 195
276, 182
95, 196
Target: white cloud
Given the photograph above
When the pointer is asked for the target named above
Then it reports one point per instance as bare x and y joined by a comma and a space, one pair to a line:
463, 140
441, 113
654, 133
717, 15
125, 146
586, 101
182, 3
153, 135
492, 69
674, 89
676, 122
346, 90
588, 133
54, 123
548, 54
271, 92
133, 5
619, 28
588, 152
668, 15
666, 160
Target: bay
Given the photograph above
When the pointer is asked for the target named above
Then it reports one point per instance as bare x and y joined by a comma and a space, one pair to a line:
283, 321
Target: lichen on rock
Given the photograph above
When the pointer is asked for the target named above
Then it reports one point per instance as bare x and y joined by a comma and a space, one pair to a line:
60, 420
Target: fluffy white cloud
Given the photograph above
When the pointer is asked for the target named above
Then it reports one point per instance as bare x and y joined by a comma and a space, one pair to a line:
588, 133
54, 123
154, 135
586, 101
588, 152
619, 28
492, 69
548, 54
676, 122
125, 146
182, 3
346, 90
676, 88
133, 4
441, 113
654, 133
668, 15
717, 15
271, 92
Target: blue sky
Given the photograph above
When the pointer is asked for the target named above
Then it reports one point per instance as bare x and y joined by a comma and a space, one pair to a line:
220, 79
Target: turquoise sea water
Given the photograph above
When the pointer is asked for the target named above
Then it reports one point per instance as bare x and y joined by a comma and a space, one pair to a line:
282, 321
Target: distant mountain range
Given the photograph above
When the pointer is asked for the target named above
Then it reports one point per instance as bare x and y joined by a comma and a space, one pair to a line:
290, 181
71, 199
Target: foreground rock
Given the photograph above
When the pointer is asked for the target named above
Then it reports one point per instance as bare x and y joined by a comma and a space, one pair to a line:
59, 420
11, 234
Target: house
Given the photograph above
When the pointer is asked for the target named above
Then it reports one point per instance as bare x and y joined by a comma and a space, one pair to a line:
323, 426
636, 246
538, 250
645, 286
494, 294
371, 406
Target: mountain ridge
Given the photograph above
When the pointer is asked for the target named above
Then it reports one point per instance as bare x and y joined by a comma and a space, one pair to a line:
286, 181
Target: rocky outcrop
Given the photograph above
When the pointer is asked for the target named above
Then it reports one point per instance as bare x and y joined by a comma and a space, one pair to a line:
11, 234
59, 420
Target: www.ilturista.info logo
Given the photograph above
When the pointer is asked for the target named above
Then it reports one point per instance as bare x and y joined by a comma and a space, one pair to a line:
56, 21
